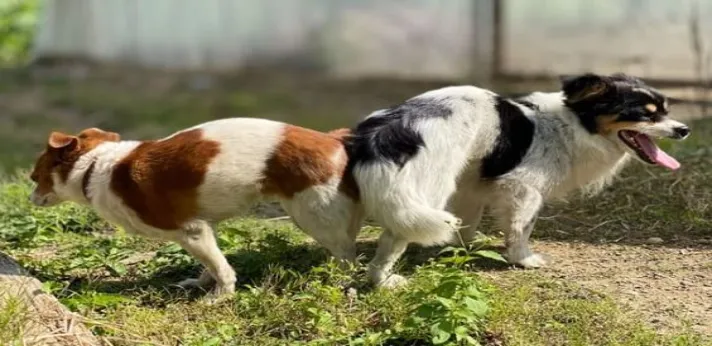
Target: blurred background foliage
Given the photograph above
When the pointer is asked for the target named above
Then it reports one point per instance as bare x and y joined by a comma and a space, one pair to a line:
18, 19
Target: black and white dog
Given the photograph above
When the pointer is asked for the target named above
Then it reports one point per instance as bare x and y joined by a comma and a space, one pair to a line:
463, 148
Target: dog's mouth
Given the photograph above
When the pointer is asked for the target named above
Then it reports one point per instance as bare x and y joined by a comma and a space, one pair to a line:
647, 150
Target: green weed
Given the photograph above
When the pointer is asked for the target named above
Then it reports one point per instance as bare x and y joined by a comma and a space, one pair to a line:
14, 317
450, 307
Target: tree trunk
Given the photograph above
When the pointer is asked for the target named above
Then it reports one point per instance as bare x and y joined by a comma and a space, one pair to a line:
32, 317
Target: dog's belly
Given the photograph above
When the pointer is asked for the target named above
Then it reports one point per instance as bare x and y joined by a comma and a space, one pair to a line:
132, 223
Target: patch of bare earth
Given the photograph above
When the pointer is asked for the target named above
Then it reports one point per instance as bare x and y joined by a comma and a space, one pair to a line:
669, 286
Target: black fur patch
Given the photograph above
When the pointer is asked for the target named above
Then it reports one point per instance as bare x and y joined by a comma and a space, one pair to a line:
391, 136
515, 138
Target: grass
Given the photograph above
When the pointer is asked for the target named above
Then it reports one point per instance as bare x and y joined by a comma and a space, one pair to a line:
14, 317
288, 291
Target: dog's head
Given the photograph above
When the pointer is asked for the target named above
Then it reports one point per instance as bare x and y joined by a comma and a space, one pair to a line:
625, 110
52, 168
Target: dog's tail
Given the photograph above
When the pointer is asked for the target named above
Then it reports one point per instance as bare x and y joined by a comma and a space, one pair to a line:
341, 134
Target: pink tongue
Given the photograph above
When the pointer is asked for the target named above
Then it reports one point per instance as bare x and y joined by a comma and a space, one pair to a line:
655, 153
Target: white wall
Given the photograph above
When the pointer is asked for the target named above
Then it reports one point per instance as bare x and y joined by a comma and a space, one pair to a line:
644, 37
397, 38
404, 38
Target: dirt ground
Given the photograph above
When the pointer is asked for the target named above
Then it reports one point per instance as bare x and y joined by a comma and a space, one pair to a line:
669, 286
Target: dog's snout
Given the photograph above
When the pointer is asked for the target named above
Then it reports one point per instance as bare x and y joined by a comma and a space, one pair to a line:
681, 132
35, 199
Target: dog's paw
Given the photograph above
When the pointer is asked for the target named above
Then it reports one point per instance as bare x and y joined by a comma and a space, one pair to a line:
393, 281
454, 222
222, 290
532, 261
219, 293
213, 298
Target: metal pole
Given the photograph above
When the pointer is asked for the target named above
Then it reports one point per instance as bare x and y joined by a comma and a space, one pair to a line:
497, 38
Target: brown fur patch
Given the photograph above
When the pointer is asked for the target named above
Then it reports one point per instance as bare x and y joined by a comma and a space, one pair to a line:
304, 158
62, 152
159, 180
651, 108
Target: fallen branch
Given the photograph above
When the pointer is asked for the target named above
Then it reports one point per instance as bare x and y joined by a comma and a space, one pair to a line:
37, 317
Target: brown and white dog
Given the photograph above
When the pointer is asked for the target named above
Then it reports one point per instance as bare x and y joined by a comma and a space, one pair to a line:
176, 188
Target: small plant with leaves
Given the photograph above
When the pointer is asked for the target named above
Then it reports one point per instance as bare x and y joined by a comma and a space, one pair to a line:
108, 255
453, 308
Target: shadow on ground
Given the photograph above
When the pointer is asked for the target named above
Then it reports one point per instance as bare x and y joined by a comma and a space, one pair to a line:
256, 267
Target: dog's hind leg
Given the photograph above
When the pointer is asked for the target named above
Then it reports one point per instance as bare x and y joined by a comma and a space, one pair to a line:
199, 240
334, 224
338, 242
516, 207
390, 248
468, 205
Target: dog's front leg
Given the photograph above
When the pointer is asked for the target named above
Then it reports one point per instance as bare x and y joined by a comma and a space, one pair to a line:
199, 240
516, 208
390, 248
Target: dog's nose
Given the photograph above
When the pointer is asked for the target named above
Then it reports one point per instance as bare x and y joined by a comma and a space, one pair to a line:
681, 132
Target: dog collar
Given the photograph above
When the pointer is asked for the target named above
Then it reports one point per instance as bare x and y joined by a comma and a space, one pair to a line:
86, 179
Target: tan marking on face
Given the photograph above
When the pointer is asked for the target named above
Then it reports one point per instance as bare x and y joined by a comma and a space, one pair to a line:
62, 152
159, 180
651, 108
608, 124
305, 158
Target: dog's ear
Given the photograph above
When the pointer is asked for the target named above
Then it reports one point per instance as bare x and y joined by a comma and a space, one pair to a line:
97, 133
58, 140
584, 87
60, 144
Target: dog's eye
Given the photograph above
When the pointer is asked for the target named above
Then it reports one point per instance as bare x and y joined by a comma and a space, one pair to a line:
653, 118
651, 108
